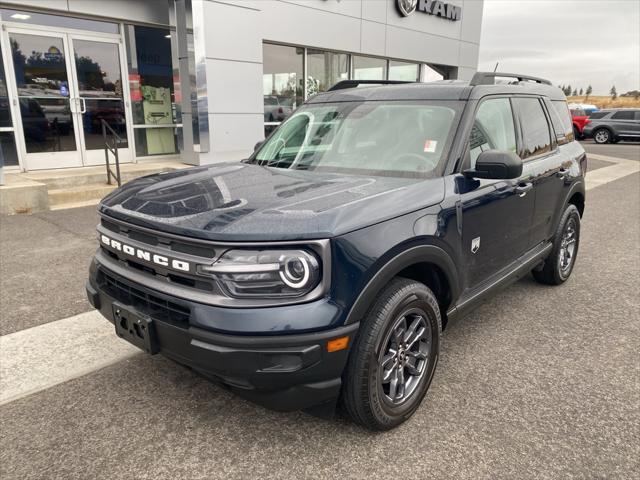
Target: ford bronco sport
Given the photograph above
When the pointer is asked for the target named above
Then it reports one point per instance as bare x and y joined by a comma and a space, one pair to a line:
322, 270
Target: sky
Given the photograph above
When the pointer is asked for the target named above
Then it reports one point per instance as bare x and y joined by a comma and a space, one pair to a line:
575, 42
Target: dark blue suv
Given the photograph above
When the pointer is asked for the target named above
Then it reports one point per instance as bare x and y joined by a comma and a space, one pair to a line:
324, 268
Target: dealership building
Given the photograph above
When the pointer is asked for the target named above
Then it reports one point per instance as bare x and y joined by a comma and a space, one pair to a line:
201, 81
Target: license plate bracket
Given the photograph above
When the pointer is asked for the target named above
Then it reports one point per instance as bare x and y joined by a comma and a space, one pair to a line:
135, 328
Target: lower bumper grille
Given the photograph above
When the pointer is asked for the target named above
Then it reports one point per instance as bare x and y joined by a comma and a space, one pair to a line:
146, 303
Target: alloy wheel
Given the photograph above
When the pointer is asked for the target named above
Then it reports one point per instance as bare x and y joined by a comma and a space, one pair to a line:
404, 358
568, 247
602, 136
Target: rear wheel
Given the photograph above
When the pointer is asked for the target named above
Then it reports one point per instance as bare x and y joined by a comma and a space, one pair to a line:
602, 135
559, 264
394, 356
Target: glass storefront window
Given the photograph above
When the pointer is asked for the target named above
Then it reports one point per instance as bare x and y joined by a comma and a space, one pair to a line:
408, 72
325, 69
152, 86
369, 68
8, 153
57, 21
156, 141
284, 88
8, 149
100, 84
43, 92
5, 114
431, 75
282, 82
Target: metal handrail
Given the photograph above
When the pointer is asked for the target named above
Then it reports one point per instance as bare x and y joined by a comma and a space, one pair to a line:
113, 148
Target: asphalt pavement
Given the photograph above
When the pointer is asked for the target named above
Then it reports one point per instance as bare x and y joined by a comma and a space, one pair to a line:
628, 150
538, 382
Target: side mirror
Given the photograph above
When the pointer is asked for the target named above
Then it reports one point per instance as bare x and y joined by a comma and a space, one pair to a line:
258, 145
496, 164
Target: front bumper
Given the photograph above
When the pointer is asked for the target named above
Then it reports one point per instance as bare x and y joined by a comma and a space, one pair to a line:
281, 372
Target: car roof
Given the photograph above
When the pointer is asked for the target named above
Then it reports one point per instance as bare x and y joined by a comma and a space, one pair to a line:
440, 90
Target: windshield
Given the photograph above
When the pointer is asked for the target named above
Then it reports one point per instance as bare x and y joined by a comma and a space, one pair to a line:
369, 138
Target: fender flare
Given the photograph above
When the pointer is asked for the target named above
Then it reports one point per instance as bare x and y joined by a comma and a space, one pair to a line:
408, 257
577, 187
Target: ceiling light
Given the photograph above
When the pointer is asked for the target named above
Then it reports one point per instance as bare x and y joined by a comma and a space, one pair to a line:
21, 16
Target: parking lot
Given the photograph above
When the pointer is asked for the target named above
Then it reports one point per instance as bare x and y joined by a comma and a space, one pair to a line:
539, 382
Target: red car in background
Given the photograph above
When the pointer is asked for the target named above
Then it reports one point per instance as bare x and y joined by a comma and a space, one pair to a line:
580, 118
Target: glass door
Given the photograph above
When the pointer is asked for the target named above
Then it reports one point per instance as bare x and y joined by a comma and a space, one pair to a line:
98, 71
44, 90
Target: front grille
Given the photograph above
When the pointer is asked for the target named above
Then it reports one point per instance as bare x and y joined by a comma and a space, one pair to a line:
196, 248
146, 303
188, 250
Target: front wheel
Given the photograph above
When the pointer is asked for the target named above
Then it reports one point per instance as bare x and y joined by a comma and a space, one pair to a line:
559, 264
394, 356
602, 135
576, 133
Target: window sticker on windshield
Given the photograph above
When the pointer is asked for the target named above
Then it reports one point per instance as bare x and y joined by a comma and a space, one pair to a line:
430, 146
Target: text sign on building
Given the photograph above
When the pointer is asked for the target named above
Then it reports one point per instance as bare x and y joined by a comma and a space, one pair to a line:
430, 7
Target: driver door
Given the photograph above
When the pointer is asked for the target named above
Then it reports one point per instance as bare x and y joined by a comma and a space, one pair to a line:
496, 214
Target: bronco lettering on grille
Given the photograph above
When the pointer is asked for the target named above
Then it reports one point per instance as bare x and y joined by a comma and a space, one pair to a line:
146, 255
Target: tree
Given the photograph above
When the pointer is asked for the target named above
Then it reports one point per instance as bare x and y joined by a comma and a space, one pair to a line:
567, 90
588, 92
575, 92
636, 95
580, 93
613, 92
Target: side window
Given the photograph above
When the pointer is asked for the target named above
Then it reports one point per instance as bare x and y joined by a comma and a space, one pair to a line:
561, 119
536, 139
493, 129
597, 115
623, 115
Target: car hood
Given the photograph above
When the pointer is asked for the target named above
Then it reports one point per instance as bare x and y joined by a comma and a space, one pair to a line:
246, 202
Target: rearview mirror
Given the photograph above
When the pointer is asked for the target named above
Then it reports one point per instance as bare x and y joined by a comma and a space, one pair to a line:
496, 164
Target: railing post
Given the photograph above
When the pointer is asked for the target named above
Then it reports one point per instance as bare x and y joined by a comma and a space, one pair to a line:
117, 165
115, 138
106, 151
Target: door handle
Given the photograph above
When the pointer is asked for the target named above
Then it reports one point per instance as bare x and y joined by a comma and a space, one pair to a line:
83, 102
523, 187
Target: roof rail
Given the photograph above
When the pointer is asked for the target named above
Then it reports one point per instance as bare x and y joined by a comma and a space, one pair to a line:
489, 78
341, 85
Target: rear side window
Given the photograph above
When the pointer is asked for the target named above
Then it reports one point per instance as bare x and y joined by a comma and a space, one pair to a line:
536, 139
624, 115
597, 115
493, 128
561, 120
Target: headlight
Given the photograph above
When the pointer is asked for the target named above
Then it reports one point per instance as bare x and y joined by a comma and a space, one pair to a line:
265, 273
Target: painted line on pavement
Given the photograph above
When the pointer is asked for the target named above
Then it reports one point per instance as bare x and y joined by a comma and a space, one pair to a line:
621, 168
41, 357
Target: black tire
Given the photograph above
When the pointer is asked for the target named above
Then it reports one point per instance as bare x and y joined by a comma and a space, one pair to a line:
576, 133
364, 397
557, 267
602, 136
